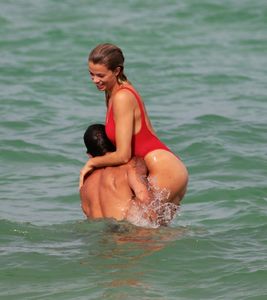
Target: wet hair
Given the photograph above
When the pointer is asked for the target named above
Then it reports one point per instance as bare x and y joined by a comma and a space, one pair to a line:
96, 140
111, 56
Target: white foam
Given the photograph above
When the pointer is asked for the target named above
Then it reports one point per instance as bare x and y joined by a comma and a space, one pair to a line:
158, 212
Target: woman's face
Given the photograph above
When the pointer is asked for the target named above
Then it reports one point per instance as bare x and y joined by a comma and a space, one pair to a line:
102, 77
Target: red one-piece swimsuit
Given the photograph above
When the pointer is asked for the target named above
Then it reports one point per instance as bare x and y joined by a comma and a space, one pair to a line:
144, 141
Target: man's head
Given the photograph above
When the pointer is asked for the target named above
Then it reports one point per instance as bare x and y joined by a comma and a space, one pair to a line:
96, 141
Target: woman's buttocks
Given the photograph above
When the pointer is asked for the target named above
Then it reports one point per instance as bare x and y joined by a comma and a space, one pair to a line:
166, 167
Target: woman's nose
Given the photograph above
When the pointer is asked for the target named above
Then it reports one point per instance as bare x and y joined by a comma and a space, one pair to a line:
95, 79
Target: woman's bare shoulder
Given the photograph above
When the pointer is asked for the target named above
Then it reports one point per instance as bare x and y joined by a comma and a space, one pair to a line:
124, 97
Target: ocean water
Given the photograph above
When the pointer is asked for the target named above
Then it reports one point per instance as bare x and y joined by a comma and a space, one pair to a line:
200, 66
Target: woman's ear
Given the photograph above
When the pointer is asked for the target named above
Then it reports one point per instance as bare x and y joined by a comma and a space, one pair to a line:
117, 71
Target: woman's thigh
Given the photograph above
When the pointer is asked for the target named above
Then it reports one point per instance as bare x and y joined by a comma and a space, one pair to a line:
168, 176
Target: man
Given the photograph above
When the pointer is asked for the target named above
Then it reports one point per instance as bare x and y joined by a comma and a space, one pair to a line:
112, 192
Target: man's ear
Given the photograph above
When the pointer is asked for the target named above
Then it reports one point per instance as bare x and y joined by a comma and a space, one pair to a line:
89, 155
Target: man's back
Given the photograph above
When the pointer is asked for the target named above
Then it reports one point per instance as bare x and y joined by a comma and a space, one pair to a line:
89, 194
115, 193
108, 192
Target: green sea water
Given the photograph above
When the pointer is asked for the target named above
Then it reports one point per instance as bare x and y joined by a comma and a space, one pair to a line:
200, 67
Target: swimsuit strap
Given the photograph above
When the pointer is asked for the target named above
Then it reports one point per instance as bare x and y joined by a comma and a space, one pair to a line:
139, 103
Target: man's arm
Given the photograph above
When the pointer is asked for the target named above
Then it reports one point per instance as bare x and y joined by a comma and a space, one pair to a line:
85, 201
137, 177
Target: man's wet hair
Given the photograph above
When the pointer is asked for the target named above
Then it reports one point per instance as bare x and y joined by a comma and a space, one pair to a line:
96, 140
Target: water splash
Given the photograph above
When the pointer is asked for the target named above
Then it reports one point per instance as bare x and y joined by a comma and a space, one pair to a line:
158, 212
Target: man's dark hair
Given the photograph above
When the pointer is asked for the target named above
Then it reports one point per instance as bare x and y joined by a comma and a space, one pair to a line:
96, 140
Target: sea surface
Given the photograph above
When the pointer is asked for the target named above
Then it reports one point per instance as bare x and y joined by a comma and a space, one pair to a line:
201, 68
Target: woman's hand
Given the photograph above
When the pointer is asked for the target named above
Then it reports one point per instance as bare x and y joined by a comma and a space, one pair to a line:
88, 168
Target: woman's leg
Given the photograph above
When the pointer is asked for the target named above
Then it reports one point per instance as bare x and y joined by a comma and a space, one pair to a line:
168, 176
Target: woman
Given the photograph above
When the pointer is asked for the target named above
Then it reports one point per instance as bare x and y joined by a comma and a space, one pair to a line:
129, 128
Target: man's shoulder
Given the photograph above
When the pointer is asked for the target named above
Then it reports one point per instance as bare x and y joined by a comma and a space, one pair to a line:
138, 164
92, 177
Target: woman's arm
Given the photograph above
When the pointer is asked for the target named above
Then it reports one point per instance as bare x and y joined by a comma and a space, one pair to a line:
123, 112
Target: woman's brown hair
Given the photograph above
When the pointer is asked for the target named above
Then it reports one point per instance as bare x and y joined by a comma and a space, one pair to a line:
111, 56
